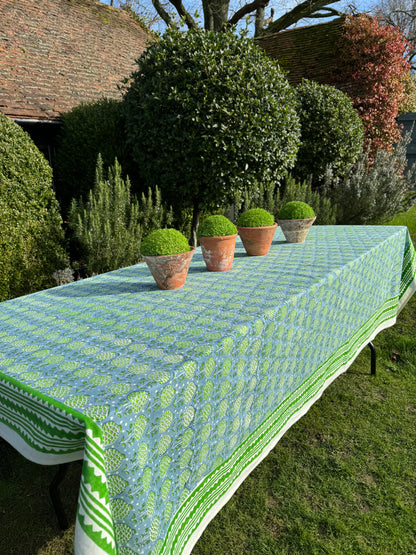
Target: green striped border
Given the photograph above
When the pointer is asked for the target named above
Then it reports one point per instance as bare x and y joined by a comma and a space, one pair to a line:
408, 282
46, 431
218, 487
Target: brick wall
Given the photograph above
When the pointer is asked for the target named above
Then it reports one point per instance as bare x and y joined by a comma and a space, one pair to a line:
55, 54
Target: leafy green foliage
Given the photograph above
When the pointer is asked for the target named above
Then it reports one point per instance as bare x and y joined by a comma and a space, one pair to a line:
87, 130
296, 210
108, 227
255, 217
207, 115
31, 237
331, 131
372, 191
153, 213
164, 241
216, 226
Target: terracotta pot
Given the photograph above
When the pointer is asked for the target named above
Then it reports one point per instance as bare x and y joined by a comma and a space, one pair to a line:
218, 252
295, 231
170, 271
257, 240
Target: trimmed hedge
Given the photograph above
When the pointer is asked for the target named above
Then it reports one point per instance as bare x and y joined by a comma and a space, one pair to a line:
31, 238
87, 130
332, 133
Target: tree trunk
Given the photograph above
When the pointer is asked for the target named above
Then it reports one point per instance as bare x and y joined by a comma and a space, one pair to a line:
195, 223
215, 14
259, 21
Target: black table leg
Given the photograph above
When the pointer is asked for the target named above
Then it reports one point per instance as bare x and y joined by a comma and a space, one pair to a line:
373, 358
56, 498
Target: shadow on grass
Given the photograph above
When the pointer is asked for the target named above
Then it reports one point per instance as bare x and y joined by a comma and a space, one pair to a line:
28, 524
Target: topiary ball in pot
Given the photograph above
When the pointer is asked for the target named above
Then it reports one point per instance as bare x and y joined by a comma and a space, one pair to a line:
256, 228
168, 256
296, 218
216, 226
217, 236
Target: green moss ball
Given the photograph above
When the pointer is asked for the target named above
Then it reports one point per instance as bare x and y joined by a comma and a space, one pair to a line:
296, 210
256, 217
216, 226
164, 241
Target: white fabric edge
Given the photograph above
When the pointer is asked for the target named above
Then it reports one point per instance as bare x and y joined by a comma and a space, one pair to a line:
294, 418
16, 441
409, 292
83, 544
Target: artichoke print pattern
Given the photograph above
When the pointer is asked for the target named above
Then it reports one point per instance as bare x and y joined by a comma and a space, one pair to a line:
176, 384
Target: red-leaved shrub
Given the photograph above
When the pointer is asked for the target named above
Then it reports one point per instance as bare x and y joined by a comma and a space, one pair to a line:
374, 63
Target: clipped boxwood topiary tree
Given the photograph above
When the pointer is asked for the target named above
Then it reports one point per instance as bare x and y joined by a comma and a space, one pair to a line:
255, 217
296, 210
87, 130
31, 235
207, 115
162, 242
332, 132
216, 226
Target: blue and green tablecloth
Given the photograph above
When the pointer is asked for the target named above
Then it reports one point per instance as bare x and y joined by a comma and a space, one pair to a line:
173, 397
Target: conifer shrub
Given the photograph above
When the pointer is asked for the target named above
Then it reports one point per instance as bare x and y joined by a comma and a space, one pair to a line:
108, 227
255, 217
207, 115
31, 234
163, 242
331, 131
87, 130
216, 226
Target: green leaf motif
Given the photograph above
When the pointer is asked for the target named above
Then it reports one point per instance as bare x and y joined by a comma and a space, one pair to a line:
119, 509
113, 459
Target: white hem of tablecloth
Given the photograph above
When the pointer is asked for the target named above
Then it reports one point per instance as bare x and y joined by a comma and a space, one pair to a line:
408, 293
32, 454
228, 495
83, 544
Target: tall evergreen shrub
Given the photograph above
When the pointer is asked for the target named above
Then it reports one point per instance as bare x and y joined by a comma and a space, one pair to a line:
331, 131
87, 130
108, 227
207, 115
31, 235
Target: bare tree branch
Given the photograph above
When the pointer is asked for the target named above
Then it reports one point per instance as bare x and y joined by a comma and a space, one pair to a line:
305, 9
326, 12
162, 12
180, 8
246, 9
402, 14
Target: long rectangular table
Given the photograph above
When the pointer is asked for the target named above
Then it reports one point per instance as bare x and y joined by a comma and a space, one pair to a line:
171, 398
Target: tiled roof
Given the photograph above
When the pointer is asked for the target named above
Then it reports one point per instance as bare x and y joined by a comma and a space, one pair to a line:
308, 52
55, 54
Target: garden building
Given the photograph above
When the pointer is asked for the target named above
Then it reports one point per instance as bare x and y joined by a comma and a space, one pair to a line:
56, 54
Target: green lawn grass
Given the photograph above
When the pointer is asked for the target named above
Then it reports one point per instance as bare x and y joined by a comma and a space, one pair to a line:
407, 218
341, 481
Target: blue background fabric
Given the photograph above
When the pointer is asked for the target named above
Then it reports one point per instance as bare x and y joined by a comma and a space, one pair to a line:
174, 395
